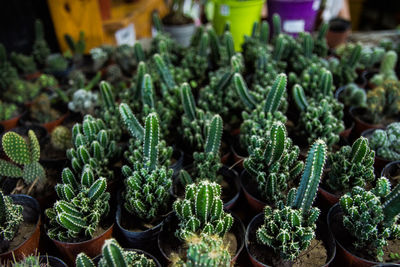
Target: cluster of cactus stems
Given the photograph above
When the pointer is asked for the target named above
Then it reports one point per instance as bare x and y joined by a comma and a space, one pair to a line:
289, 228
201, 211
83, 203
25, 153
113, 255
353, 96
10, 217
147, 182
7, 72
371, 216
344, 71
29, 261
61, 138
371, 56
7, 110
386, 143
273, 163
25, 64
320, 44
387, 69
351, 166
383, 101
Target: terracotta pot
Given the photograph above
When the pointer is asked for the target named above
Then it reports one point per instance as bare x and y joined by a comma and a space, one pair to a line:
53, 124
339, 30
90, 247
360, 125
32, 76
11, 123
327, 198
31, 214
391, 170
52, 261
258, 220
170, 225
254, 202
148, 255
344, 256
379, 162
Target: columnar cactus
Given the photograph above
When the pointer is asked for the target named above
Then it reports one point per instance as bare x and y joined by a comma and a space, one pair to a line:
82, 205
387, 69
196, 59
40, 48
370, 216
10, 218
113, 255
205, 250
289, 229
351, 166
7, 72
147, 183
344, 71
201, 211
386, 143
109, 112
61, 138
320, 44
370, 56
273, 163
22, 152
353, 96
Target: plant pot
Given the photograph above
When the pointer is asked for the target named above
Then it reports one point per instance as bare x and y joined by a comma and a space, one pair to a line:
359, 125
168, 242
31, 214
379, 162
392, 172
327, 199
240, 14
11, 123
52, 261
238, 156
181, 33
53, 124
178, 164
339, 30
249, 190
344, 255
296, 15
90, 247
251, 245
148, 255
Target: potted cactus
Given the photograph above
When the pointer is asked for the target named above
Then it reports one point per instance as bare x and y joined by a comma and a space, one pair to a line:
287, 233
113, 255
387, 69
40, 48
364, 224
54, 150
9, 115
20, 230
39, 261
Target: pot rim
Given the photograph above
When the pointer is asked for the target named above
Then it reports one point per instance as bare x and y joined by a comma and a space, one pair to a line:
389, 165
82, 242
246, 191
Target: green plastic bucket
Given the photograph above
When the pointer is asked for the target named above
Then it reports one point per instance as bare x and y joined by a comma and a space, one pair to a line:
240, 14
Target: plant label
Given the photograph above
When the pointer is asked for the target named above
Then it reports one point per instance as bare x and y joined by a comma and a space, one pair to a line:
224, 10
293, 26
126, 35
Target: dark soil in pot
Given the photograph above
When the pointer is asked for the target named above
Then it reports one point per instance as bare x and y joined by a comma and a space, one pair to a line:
321, 251
344, 239
392, 172
175, 18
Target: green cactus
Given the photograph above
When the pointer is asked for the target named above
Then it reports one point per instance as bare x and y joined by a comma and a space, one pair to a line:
255, 43
55, 63
386, 143
22, 152
40, 48
353, 96
7, 110
10, 217
61, 138
99, 57
109, 112
387, 69
383, 101
344, 71
113, 255
77, 48
125, 58
204, 250
41, 109
7, 72
25, 64
196, 60
370, 56
201, 211
29, 261
277, 25
273, 163
289, 229
320, 44
83, 204
147, 182
351, 166
370, 216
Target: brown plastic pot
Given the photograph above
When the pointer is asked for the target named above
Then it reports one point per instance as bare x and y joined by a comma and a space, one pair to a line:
339, 30
258, 220
344, 256
53, 124
170, 225
359, 125
254, 202
31, 214
327, 198
90, 247
11, 123
379, 162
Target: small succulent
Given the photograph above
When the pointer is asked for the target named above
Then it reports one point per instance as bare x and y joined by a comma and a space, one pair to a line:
25, 64
56, 63
370, 56
29, 261
289, 228
344, 71
386, 143
61, 138
201, 211
77, 48
10, 218
109, 112
99, 57
83, 101
21, 91
387, 69
40, 48
47, 81
370, 217
25, 153
41, 109
353, 96
113, 255
7, 110
273, 163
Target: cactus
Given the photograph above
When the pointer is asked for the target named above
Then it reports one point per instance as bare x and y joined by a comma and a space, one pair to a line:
113, 255
55, 63
109, 112
320, 44
387, 69
383, 101
351, 166
61, 138
29, 261
21, 91
344, 71
386, 143
10, 218
370, 216
7, 110
83, 101
47, 81
99, 57
148, 183
204, 250
289, 229
273, 163
371, 56
114, 74
25, 64
257, 42
195, 59
40, 48
7, 72
353, 96
201, 211
125, 58
41, 109
22, 152
77, 48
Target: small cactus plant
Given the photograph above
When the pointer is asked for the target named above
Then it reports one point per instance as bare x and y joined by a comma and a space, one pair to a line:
386, 143
61, 138
370, 216
7, 110
40, 48
344, 71
83, 101
22, 152
201, 211
55, 63
7, 72
289, 229
387, 69
25, 64
10, 217
353, 96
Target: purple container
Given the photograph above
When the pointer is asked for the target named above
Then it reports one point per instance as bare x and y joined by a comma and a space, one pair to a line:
296, 15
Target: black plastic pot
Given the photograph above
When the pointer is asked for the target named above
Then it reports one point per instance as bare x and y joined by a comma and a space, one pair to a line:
178, 165
390, 170
379, 162
168, 242
52, 261
344, 256
258, 220
359, 125
148, 255
253, 199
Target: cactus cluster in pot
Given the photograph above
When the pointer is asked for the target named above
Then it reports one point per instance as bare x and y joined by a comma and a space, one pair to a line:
10, 219
386, 143
387, 69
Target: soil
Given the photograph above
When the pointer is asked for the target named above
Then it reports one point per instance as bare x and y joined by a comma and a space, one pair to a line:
176, 18
134, 224
25, 231
315, 255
